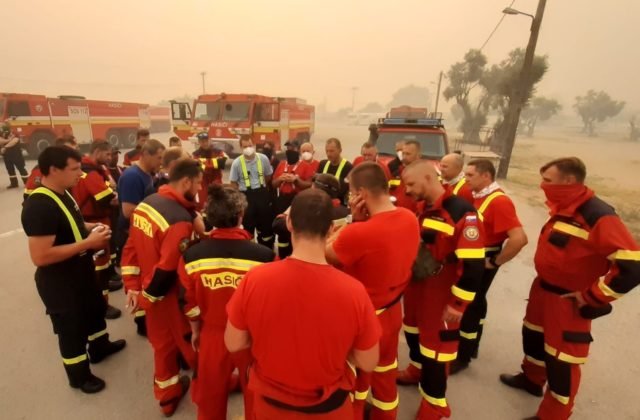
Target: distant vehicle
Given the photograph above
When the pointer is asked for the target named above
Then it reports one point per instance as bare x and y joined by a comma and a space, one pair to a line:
363, 118
40, 120
406, 111
228, 116
428, 131
160, 117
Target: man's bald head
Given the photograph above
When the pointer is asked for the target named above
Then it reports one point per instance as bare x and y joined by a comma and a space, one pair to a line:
421, 181
451, 166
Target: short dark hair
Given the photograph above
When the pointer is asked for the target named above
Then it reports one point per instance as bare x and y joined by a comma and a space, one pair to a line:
244, 137
327, 183
143, 132
174, 139
370, 176
335, 142
100, 145
483, 166
57, 157
66, 139
171, 154
368, 145
568, 166
311, 213
224, 206
152, 146
413, 143
185, 168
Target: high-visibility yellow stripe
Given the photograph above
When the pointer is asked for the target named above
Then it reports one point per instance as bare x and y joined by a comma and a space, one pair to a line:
535, 361
607, 291
283, 244
97, 335
386, 406
151, 298
485, 204
153, 214
193, 312
571, 230
129, 270
103, 194
169, 382
564, 356
440, 357
103, 266
220, 263
361, 396
410, 329
245, 173
462, 294
625, 254
379, 311
27, 191
138, 314
387, 368
532, 327
325, 170
74, 360
394, 182
459, 185
561, 399
72, 222
482, 321
439, 226
468, 336
439, 402
470, 253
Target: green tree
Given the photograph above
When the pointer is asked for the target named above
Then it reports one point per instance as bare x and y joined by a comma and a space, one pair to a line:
596, 107
411, 95
538, 109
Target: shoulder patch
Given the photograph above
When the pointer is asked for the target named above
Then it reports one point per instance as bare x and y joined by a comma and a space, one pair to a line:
471, 233
595, 208
183, 245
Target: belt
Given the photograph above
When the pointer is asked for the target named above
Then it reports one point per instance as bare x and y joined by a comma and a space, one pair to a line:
334, 402
553, 289
390, 304
586, 311
259, 189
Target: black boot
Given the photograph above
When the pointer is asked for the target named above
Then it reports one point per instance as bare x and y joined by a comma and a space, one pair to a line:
112, 312
80, 377
101, 348
141, 325
457, 366
520, 381
91, 385
14, 182
115, 281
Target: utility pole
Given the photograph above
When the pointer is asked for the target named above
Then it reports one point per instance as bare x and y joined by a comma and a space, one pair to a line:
203, 74
438, 94
520, 93
353, 98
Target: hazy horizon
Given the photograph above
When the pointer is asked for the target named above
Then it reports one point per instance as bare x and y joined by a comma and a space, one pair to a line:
147, 51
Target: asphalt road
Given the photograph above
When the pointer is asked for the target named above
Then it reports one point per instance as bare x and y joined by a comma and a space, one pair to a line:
33, 384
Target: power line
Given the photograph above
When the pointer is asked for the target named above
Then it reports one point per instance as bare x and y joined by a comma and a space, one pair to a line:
496, 28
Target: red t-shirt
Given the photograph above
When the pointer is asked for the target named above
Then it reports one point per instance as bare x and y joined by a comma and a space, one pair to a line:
380, 252
304, 319
358, 160
498, 218
303, 170
314, 164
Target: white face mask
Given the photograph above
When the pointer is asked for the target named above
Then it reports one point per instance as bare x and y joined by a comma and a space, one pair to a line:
249, 151
399, 154
307, 155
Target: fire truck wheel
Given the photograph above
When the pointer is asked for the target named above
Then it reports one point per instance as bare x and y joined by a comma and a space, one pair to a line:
114, 137
129, 138
39, 141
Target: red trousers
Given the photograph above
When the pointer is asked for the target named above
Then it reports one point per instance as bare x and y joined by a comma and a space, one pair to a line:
265, 411
166, 330
433, 345
382, 381
210, 390
556, 342
103, 263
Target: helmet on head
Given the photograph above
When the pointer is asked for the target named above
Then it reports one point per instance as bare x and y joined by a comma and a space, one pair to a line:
203, 135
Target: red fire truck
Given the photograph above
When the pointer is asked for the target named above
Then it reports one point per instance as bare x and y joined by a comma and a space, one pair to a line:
160, 119
228, 116
40, 120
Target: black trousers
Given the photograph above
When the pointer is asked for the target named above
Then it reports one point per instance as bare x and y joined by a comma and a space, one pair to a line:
75, 329
259, 216
472, 323
282, 203
13, 160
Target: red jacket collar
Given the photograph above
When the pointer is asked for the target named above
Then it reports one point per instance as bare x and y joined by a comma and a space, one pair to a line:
230, 233
168, 192
574, 205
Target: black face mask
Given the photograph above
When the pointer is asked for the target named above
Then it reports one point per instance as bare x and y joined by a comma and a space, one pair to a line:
293, 156
267, 152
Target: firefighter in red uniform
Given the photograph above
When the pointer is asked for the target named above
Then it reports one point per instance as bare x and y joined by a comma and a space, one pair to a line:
213, 162
133, 155
437, 297
210, 272
306, 154
369, 153
161, 228
290, 177
586, 258
302, 320
379, 251
504, 239
452, 175
35, 176
95, 199
408, 152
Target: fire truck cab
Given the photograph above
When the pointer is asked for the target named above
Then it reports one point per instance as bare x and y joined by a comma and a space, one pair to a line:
413, 124
39, 120
225, 117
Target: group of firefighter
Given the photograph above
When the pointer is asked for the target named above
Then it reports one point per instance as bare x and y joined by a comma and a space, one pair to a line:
294, 281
